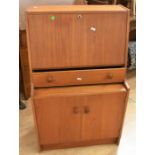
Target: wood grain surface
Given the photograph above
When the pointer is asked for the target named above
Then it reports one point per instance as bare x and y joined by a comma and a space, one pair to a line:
71, 41
73, 8
83, 115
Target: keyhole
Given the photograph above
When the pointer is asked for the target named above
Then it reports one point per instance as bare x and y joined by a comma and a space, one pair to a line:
79, 16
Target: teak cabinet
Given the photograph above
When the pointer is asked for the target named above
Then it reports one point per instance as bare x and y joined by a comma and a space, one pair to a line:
78, 58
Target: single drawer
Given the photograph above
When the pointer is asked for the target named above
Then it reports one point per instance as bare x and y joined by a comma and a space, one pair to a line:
78, 77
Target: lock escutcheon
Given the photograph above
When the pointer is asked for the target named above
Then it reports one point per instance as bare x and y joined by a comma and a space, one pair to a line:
79, 16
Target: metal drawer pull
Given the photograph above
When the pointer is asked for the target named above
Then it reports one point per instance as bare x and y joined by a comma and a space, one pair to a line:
79, 78
93, 29
76, 110
86, 110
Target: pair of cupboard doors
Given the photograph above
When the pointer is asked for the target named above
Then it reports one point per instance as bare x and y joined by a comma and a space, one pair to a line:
82, 38
79, 114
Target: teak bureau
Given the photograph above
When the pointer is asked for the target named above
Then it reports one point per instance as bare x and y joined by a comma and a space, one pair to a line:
78, 59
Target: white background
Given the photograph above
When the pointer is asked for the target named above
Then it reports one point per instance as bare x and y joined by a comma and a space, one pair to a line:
9, 77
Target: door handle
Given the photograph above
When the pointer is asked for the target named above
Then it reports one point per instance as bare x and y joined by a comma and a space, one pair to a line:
86, 109
76, 110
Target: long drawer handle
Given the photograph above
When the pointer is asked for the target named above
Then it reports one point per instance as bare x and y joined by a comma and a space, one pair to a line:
86, 109
76, 110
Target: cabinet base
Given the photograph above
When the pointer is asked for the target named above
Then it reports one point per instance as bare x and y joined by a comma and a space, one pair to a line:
78, 144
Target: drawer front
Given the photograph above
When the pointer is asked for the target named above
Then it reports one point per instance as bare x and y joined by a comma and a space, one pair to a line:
78, 77
77, 40
82, 113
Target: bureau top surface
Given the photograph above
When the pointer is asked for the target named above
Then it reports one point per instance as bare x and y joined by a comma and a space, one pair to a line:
74, 8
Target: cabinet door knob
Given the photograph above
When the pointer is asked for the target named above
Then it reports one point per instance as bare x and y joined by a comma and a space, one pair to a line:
50, 79
76, 110
86, 109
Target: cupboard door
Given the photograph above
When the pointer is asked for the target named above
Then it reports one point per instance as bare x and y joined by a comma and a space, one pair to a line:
77, 39
58, 119
103, 116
